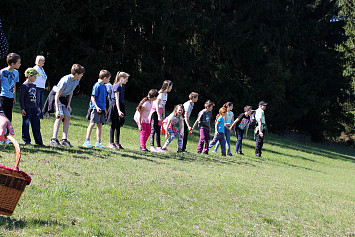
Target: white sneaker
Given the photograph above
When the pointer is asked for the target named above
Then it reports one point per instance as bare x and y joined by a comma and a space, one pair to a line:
153, 149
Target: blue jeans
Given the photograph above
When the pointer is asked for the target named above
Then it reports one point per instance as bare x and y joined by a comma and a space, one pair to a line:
227, 134
239, 133
39, 95
171, 138
222, 141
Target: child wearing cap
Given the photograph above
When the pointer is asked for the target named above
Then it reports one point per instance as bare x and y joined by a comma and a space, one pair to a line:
29, 109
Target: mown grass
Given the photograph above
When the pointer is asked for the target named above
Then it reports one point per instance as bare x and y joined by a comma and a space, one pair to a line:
295, 189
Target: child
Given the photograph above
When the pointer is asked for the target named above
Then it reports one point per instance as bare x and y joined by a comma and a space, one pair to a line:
29, 108
158, 114
40, 81
98, 108
229, 118
242, 122
219, 131
188, 106
116, 111
8, 78
203, 120
142, 117
171, 130
63, 94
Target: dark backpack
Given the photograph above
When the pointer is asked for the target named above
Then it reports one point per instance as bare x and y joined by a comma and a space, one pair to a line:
253, 121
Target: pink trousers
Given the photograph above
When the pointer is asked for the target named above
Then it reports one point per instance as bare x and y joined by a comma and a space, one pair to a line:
144, 134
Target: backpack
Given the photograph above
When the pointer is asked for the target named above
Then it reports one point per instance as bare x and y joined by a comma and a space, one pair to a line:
252, 118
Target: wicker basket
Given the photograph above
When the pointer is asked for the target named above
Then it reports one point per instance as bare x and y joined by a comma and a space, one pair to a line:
12, 183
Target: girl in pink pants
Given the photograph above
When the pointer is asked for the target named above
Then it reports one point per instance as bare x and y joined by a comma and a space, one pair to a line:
142, 117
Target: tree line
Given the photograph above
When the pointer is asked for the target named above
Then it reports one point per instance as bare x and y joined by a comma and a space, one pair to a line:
296, 55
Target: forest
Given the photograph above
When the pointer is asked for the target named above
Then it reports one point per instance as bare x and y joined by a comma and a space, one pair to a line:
296, 55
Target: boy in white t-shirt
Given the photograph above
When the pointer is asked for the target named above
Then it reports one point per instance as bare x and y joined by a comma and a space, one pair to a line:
188, 107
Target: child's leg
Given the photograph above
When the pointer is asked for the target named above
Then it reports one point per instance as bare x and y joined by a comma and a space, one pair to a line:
216, 147
186, 133
144, 134
154, 127
228, 140
207, 140
36, 127
56, 126
7, 105
239, 141
89, 130
98, 132
180, 140
214, 140
201, 141
25, 128
66, 127
170, 139
222, 141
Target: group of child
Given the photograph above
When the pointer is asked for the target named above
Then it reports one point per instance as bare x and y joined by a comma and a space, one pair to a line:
107, 104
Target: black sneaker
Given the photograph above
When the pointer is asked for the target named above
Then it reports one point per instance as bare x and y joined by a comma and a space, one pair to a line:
65, 143
146, 150
258, 155
241, 153
55, 143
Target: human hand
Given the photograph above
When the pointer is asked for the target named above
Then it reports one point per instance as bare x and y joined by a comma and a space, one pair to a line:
140, 127
166, 135
39, 111
261, 134
99, 111
5, 124
57, 114
69, 108
191, 130
14, 102
23, 112
120, 114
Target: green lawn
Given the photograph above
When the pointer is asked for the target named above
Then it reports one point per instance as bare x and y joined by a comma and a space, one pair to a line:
295, 189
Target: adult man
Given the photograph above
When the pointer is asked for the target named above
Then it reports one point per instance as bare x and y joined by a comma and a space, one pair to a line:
260, 129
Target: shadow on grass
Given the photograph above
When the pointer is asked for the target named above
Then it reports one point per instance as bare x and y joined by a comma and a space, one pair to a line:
186, 157
10, 223
331, 152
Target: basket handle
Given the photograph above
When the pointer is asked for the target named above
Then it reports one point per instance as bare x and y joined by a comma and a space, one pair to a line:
18, 151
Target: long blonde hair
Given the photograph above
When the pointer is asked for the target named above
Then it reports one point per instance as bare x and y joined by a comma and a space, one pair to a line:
120, 75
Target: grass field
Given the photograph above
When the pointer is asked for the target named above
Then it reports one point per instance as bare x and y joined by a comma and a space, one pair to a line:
295, 189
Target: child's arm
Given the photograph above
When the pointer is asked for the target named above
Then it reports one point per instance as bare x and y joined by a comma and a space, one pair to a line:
14, 93
117, 98
186, 120
167, 127
56, 102
193, 127
157, 107
246, 132
215, 127
69, 101
93, 99
235, 121
143, 109
22, 100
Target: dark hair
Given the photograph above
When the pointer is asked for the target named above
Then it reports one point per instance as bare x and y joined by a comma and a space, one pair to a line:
166, 85
151, 94
247, 108
12, 58
104, 73
220, 112
209, 104
226, 105
77, 69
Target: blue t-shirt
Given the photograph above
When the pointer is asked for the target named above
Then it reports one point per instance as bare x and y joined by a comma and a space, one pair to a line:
118, 88
8, 79
220, 126
67, 85
100, 93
